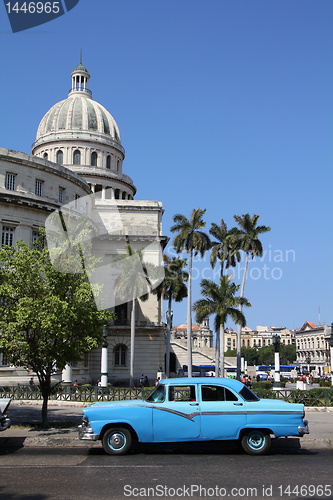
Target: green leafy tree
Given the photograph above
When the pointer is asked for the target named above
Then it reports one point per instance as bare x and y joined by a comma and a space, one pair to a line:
251, 354
222, 301
172, 288
193, 240
247, 240
287, 354
48, 319
266, 355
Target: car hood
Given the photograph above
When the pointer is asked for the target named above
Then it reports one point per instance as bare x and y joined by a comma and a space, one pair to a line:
113, 404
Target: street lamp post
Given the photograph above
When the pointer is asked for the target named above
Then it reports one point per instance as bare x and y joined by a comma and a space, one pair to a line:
276, 343
330, 341
308, 361
104, 360
169, 318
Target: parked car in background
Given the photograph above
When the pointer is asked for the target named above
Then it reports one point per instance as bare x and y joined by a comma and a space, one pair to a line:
5, 422
193, 409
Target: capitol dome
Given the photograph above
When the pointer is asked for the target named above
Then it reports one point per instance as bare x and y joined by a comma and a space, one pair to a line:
75, 114
78, 116
81, 134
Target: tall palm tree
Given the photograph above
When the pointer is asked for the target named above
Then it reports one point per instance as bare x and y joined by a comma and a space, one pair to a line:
248, 241
222, 301
134, 282
172, 288
193, 240
224, 248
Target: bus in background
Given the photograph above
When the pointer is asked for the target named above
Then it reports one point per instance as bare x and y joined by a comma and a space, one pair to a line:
205, 371
286, 371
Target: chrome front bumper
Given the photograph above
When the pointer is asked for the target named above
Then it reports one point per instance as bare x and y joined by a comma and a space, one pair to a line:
86, 433
5, 423
303, 429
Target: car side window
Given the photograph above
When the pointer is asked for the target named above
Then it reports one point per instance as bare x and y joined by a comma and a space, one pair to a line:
217, 393
230, 396
182, 393
158, 394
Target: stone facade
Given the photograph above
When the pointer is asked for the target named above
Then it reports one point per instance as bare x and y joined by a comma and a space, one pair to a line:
203, 352
261, 337
78, 152
312, 348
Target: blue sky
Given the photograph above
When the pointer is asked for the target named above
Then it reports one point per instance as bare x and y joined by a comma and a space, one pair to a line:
224, 105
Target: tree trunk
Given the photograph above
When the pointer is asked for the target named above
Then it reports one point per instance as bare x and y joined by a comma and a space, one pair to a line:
222, 342
239, 327
189, 320
132, 343
45, 389
167, 347
44, 407
217, 354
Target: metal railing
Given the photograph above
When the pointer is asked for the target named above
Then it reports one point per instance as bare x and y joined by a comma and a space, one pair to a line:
91, 394
84, 393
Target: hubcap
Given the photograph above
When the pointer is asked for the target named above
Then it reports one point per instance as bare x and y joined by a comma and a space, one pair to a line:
256, 440
117, 440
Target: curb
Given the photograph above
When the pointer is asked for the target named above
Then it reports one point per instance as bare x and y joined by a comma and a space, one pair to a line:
60, 439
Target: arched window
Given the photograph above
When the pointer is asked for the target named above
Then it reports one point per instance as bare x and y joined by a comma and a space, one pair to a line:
108, 162
94, 159
77, 157
116, 194
60, 157
118, 165
124, 195
45, 156
120, 355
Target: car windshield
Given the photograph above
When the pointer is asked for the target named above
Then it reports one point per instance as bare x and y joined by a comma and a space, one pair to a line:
247, 394
158, 394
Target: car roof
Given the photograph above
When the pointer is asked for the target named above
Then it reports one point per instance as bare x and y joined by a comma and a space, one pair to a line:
227, 382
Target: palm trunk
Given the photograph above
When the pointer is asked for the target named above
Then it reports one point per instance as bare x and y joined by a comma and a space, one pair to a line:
132, 343
218, 340
167, 347
239, 327
222, 342
189, 320
217, 354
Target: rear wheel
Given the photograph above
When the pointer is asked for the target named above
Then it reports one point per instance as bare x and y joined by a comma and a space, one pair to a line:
117, 441
256, 441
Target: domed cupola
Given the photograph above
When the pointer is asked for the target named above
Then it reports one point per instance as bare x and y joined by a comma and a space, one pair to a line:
82, 135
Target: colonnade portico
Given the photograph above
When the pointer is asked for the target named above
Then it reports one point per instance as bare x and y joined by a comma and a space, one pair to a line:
106, 159
109, 192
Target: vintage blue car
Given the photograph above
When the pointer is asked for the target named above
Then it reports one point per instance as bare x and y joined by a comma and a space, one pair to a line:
193, 409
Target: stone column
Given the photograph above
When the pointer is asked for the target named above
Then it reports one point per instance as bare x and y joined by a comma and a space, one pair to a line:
67, 374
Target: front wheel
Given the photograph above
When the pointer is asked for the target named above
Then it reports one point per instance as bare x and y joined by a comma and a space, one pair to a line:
256, 441
117, 441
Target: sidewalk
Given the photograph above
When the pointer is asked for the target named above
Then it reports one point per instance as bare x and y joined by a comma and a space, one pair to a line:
70, 416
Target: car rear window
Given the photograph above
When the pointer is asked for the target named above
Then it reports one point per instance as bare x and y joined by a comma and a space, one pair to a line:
248, 395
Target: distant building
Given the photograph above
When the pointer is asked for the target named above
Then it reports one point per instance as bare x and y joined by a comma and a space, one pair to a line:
312, 347
203, 351
261, 337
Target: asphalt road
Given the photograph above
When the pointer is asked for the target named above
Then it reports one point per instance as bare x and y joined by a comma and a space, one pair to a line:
197, 471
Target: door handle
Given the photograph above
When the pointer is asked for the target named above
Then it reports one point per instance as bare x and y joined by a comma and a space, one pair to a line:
238, 404
194, 404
